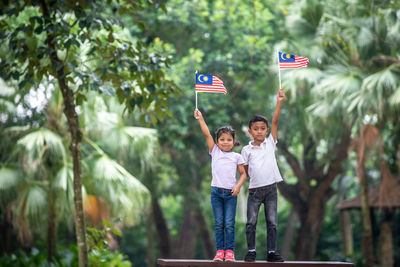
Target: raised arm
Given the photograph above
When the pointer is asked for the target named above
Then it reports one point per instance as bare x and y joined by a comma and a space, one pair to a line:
274, 127
204, 129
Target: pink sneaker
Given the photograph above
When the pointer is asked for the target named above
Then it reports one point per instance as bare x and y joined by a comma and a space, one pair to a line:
219, 256
229, 255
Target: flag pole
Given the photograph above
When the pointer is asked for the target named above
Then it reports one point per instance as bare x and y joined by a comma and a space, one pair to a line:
195, 89
279, 71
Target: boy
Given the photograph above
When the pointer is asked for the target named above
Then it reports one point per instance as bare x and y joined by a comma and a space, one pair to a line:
260, 165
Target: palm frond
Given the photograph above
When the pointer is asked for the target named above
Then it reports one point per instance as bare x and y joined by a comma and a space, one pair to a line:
132, 142
31, 203
9, 177
394, 100
292, 80
106, 169
64, 182
377, 86
40, 141
126, 195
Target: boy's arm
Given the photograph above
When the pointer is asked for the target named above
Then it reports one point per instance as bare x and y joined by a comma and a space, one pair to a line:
204, 129
274, 127
242, 179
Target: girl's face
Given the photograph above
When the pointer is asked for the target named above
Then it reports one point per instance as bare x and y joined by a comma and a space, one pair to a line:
225, 142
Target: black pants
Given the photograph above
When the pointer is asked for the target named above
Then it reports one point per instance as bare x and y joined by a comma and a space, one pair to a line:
266, 195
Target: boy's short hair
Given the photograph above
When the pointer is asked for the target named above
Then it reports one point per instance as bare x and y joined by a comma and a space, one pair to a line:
256, 118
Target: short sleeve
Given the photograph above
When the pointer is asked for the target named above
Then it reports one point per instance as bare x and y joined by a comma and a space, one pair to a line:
214, 150
240, 159
271, 141
245, 156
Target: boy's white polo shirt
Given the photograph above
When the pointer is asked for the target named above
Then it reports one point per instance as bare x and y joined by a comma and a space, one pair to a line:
263, 169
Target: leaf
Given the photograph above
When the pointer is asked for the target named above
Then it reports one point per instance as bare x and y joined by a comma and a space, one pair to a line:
80, 98
106, 223
116, 232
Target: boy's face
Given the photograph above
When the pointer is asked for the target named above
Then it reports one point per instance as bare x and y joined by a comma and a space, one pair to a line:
259, 131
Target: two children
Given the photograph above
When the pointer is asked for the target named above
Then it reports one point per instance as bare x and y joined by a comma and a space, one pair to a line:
259, 163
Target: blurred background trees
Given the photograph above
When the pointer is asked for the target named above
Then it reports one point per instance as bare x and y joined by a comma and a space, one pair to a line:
122, 59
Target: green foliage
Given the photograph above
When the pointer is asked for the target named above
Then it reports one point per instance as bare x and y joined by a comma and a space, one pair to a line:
99, 254
68, 257
108, 258
86, 48
97, 237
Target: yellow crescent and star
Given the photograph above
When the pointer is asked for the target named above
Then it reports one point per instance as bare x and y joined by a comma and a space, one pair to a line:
205, 79
285, 55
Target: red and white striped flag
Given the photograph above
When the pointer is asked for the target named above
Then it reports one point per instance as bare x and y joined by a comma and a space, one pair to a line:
209, 84
288, 61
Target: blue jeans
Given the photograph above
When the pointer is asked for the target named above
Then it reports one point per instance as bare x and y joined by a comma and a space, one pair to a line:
224, 209
266, 195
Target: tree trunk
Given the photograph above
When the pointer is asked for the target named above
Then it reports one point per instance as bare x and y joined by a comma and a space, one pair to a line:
289, 234
52, 231
76, 139
149, 233
347, 233
164, 240
186, 243
311, 219
205, 235
367, 241
5, 229
386, 258
75, 149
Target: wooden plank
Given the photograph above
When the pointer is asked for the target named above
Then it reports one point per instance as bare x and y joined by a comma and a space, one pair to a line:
192, 263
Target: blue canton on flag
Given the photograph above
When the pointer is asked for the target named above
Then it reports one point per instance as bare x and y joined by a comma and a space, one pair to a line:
286, 57
203, 79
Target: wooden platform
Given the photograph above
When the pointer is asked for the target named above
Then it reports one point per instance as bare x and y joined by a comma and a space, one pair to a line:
192, 263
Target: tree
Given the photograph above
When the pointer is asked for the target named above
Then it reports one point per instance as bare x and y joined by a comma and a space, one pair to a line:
362, 72
70, 41
40, 173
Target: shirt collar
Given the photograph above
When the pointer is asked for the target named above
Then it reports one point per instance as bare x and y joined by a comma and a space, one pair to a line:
263, 143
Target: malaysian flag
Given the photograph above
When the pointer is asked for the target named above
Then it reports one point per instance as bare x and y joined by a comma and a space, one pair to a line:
288, 61
209, 84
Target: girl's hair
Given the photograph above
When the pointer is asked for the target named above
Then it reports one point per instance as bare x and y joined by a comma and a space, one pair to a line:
227, 129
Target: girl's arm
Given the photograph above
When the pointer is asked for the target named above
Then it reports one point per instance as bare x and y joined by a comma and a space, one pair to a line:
242, 179
204, 129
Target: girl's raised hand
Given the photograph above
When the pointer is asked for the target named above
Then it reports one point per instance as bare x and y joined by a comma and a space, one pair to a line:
197, 114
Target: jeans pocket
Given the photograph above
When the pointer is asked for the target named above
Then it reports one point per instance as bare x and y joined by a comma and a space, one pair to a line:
252, 192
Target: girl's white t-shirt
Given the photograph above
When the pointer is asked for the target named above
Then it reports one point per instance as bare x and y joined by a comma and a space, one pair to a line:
223, 167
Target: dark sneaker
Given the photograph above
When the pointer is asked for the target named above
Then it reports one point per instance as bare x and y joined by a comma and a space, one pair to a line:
250, 256
274, 257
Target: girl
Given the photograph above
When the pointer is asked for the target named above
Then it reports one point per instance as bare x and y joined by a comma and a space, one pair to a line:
224, 188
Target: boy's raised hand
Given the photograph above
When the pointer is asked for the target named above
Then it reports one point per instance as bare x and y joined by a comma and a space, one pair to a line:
281, 95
